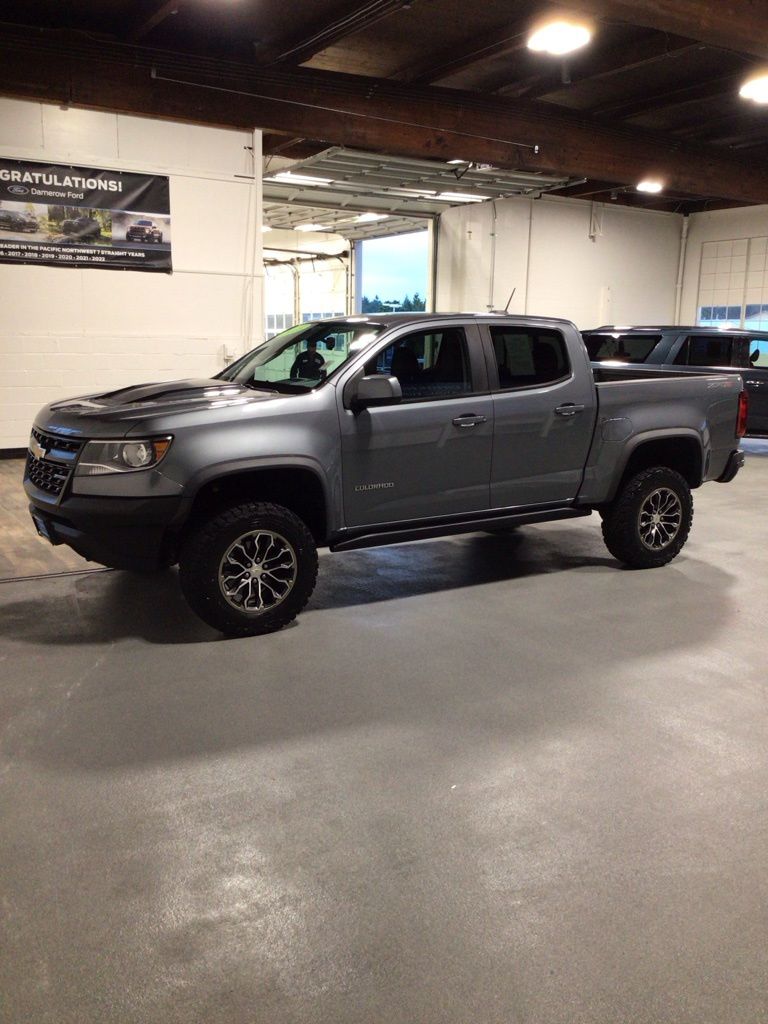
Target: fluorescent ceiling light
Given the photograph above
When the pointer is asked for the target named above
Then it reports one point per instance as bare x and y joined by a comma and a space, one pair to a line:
289, 178
460, 197
756, 88
310, 227
649, 185
364, 218
459, 161
559, 37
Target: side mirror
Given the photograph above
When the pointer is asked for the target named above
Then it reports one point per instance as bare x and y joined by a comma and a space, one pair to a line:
375, 390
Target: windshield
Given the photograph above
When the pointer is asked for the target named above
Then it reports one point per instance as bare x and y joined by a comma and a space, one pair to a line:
302, 357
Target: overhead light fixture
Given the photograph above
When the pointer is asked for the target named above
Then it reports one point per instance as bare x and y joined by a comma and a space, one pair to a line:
460, 197
289, 178
266, 227
559, 37
364, 218
310, 227
756, 88
649, 185
459, 161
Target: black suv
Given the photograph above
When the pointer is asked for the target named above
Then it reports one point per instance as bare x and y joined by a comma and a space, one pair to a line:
10, 220
82, 227
726, 350
144, 231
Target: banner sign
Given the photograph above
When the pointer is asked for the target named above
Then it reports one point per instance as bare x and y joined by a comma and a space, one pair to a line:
63, 216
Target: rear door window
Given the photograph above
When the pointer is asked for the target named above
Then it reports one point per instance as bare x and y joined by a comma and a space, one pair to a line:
527, 357
706, 350
625, 348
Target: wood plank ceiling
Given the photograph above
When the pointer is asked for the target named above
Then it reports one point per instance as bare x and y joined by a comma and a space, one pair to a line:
655, 92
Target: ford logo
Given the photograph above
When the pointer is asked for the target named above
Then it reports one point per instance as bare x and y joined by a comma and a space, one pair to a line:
18, 190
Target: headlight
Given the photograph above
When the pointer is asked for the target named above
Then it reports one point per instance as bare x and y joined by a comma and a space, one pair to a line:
100, 457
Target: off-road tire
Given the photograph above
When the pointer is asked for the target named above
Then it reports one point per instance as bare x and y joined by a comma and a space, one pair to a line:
621, 520
201, 558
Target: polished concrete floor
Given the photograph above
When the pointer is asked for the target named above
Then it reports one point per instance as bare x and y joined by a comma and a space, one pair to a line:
484, 780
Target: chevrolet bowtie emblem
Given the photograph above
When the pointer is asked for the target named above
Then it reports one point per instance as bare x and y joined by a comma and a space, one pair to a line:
37, 449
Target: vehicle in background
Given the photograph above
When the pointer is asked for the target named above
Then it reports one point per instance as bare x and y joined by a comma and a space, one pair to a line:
692, 350
12, 220
373, 430
81, 227
144, 231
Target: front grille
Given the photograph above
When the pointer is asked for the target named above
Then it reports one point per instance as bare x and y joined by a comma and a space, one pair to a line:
51, 473
47, 476
56, 443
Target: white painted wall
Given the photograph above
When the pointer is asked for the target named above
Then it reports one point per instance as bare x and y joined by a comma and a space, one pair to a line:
626, 273
715, 226
65, 331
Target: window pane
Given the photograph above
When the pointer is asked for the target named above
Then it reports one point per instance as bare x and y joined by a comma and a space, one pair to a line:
428, 364
758, 352
627, 348
709, 351
529, 358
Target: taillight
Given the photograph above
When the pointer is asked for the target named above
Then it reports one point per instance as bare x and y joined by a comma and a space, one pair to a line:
741, 419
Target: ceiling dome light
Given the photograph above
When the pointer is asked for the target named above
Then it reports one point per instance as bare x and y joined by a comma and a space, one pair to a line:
559, 37
649, 185
756, 88
309, 227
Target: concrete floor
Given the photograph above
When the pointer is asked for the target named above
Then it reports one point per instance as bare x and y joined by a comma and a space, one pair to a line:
484, 780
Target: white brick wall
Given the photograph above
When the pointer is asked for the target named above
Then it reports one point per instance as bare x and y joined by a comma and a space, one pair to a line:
66, 332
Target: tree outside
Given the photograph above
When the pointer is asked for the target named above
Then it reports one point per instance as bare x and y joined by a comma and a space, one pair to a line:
408, 304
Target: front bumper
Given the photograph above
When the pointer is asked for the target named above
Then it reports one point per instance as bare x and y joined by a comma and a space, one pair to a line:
732, 467
123, 533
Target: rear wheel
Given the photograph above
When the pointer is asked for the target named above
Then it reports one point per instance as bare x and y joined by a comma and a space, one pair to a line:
649, 522
249, 570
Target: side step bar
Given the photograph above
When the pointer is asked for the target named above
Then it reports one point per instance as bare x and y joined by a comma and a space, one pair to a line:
399, 533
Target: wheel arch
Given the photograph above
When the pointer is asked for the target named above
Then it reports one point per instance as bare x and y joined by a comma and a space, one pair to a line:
298, 485
681, 451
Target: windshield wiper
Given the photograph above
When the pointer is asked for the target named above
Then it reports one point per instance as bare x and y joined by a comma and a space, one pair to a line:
259, 387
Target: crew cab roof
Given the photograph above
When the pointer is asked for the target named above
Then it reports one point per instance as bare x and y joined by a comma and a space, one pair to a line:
420, 318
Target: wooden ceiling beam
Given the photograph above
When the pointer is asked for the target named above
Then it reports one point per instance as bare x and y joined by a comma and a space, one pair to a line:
457, 58
363, 113
671, 98
146, 24
355, 18
727, 24
647, 50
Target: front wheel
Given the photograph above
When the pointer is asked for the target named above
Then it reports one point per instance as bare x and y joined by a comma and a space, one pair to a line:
650, 519
249, 570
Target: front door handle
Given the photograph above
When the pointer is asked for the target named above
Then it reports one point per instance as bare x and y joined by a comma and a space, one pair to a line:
569, 409
469, 419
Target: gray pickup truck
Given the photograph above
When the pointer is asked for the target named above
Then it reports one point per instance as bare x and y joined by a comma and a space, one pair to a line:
375, 430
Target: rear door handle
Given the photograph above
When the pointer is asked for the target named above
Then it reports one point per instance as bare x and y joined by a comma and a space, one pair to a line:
469, 419
569, 409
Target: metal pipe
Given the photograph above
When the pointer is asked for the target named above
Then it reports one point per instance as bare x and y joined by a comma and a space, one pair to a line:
681, 269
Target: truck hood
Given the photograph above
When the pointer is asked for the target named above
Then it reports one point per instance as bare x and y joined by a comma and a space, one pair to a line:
116, 413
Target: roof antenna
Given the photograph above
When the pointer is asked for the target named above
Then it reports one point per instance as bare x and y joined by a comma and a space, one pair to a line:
506, 308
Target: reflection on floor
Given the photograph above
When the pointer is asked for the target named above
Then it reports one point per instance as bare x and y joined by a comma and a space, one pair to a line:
22, 552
